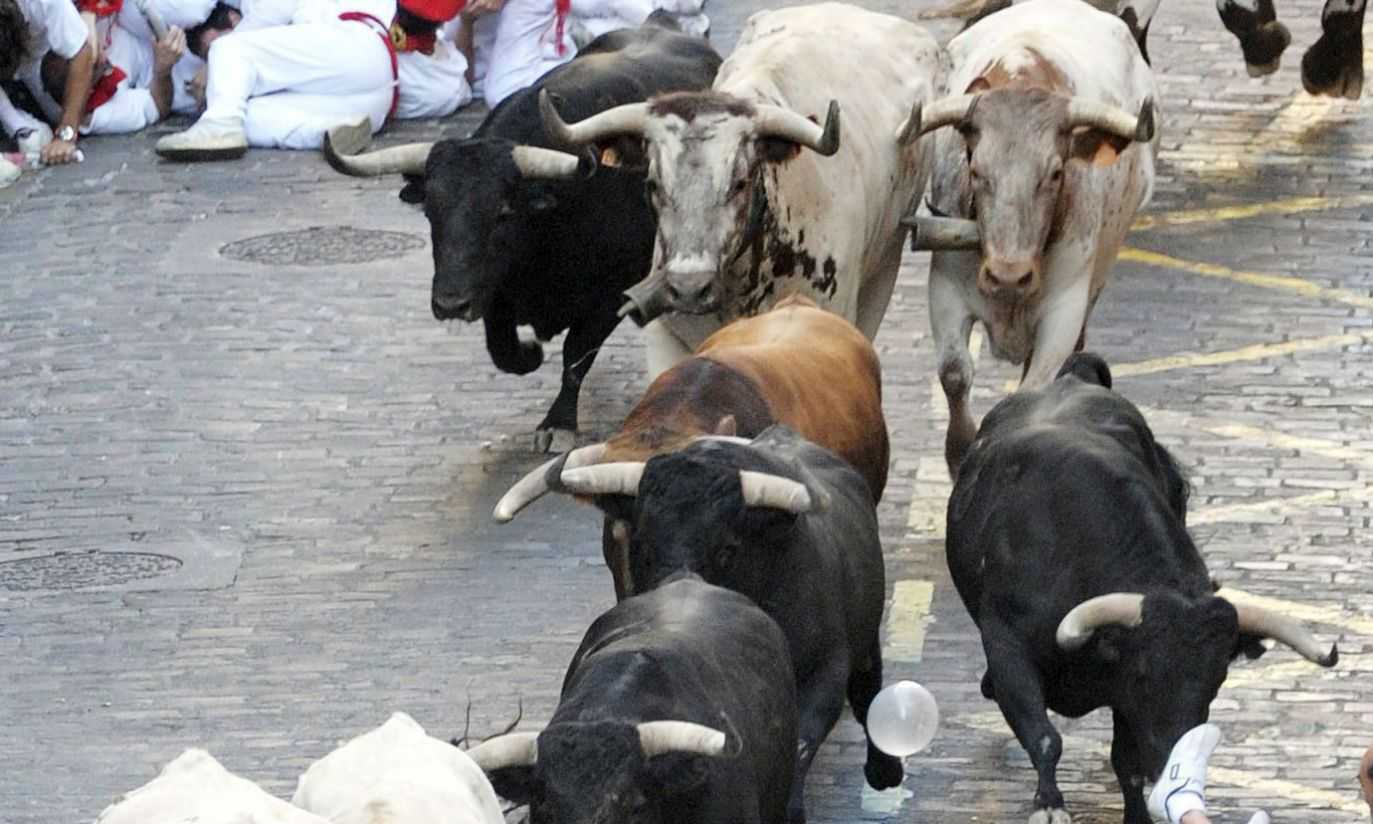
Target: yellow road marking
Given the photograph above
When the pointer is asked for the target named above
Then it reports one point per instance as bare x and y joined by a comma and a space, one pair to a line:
1258, 351
1277, 508
1290, 206
906, 622
930, 498
1277, 282
1311, 446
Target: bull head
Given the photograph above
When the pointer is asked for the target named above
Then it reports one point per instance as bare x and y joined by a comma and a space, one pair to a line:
705, 153
1018, 143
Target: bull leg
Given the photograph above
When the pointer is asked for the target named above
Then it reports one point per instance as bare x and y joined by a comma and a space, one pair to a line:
508, 352
882, 771
820, 702
1126, 762
580, 348
951, 323
1020, 695
1262, 38
1061, 322
1334, 65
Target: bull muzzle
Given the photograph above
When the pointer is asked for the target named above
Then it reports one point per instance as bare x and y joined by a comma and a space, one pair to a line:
1009, 280
455, 306
646, 299
691, 293
943, 234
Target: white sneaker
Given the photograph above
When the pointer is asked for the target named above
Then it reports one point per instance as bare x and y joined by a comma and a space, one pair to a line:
204, 141
8, 173
1182, 786
32, 139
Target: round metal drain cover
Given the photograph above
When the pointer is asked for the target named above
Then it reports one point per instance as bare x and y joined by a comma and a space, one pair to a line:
322, 246
78, 570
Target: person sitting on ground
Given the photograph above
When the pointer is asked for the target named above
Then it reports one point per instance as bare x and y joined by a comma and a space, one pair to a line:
29, 30
1179, 796
134, 90
285, 72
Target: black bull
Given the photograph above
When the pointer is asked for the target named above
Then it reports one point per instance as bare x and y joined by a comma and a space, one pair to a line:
525, 233
1066, 541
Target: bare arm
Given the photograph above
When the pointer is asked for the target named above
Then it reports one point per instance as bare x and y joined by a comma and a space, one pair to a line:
78, 89
166, 52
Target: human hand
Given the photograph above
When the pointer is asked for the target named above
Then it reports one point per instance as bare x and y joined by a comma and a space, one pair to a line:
195, 87
481, 8
58, 152
168, 50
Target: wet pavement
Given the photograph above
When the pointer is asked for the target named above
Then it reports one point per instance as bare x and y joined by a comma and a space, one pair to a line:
245, 478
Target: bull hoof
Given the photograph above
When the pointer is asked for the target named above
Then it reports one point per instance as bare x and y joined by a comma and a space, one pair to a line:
1334, 65
1058, 815
883, 771
1262, 38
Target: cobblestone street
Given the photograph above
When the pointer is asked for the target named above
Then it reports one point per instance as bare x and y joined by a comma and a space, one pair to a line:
246, 479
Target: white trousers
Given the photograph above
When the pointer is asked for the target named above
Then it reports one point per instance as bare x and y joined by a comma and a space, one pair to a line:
522, 48
288, 85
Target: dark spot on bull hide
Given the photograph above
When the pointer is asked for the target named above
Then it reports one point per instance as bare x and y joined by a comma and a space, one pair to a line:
689, 105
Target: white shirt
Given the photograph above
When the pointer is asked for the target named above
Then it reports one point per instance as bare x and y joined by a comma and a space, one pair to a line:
54, 25
132, 107
432, 85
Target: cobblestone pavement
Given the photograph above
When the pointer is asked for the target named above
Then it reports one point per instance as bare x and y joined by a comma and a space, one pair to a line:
265, 473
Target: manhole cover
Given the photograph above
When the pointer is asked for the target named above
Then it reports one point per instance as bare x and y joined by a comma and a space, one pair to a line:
79, 570
322, 246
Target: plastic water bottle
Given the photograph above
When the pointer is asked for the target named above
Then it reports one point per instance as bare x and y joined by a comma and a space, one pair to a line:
902, 719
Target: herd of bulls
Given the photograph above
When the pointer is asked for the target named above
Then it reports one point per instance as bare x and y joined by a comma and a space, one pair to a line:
751, 214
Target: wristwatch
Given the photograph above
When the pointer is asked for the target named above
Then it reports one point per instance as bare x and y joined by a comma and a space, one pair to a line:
66, 134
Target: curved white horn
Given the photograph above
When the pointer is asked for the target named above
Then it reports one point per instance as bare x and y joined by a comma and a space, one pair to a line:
660, 737
534, 485
407, 159
626, 119
775, 121
946, 111
620, 478
536, 163
1111, 119
516, 749
775, 492
1124, 608
1258, 621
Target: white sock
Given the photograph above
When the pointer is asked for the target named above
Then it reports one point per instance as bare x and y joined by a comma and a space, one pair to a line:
1182, 786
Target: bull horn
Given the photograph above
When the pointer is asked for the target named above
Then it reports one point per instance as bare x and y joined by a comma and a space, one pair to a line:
1124, 608
943, 234
535, 163
775, 492
408, 159
910, 127
1258, 621
1113, 120
620, 478
647, 299
661, 737
516, 749
534, 485
946, 111
775, 121
626, 119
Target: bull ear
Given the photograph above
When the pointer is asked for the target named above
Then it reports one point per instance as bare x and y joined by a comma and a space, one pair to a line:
413, 191
616, 507
1096, 147
1251, 646
516, 784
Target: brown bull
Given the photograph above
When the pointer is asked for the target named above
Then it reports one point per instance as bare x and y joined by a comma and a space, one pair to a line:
797, 365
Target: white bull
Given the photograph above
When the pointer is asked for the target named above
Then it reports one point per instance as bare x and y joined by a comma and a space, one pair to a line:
1050, 160
745, 216
396, 774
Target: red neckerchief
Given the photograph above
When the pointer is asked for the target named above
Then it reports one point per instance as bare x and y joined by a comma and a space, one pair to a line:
100, 8
562, 8
403, 42
104, 88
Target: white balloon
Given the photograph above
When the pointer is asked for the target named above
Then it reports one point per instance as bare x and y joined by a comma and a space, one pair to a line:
902, 719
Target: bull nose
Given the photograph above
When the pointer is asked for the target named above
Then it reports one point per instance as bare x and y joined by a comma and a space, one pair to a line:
1012, 280
692, 293
447, 305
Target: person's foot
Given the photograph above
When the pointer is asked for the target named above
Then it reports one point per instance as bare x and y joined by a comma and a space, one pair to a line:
32, 139
8, 173
350, 138
1260, 817
1182, 786
204, 141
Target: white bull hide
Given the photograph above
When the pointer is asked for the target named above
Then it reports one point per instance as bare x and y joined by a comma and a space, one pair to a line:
833, 223
196, 788
396, 774
1067, 49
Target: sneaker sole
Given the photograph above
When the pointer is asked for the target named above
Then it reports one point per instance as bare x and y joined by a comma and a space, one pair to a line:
199, 155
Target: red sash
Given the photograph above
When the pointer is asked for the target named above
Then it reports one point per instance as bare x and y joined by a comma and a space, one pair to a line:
104, 88
380, 28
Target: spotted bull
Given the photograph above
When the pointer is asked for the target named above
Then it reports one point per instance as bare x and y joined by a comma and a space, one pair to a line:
796, 364
1047, 151
758, 195
526, 232
1066, 487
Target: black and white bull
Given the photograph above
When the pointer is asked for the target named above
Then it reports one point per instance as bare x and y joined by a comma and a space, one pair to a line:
755, 198
787, 523
1067, 543
524, 232
678, 708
